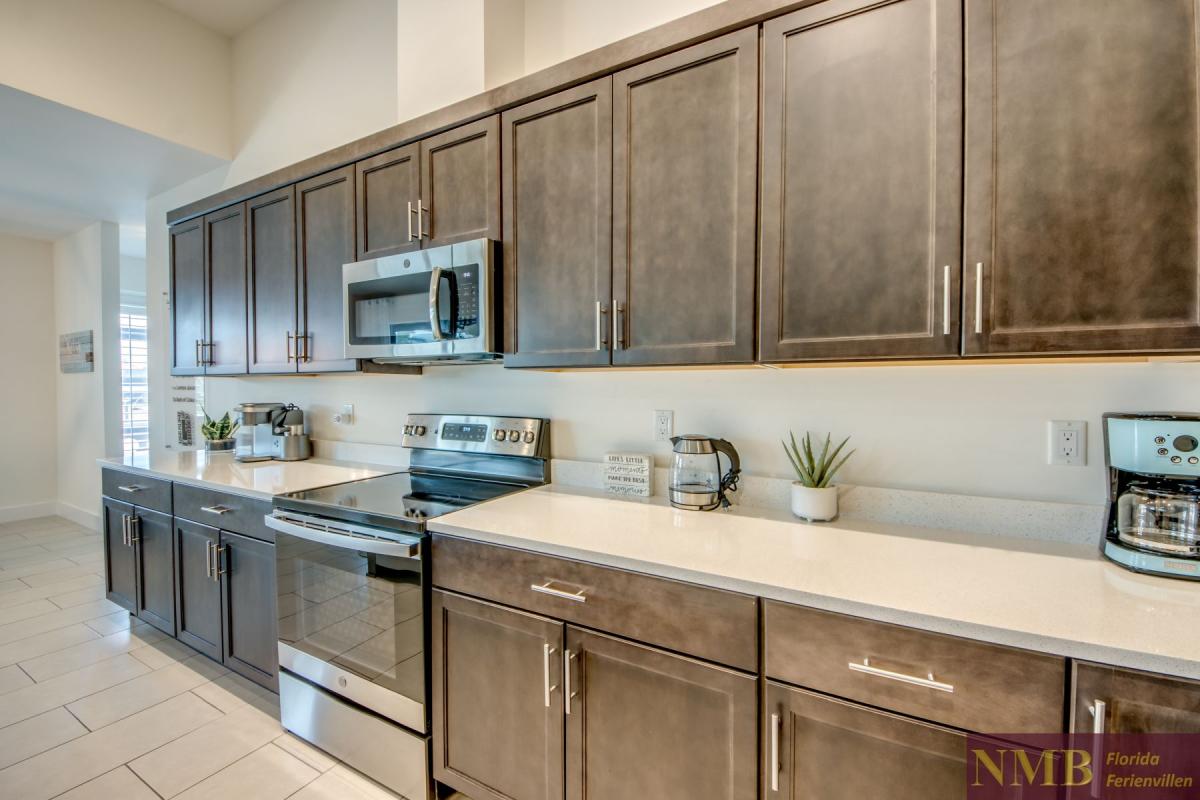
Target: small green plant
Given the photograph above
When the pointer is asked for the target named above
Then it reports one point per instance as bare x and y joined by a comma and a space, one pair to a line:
215, 429
813, 471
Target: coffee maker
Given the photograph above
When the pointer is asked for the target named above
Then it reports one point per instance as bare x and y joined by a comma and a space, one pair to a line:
1153, 519
271, 431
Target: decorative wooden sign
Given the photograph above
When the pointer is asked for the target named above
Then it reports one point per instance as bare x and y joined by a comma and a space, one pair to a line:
628, 474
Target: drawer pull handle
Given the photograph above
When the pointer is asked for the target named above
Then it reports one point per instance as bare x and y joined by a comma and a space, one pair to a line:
929, 682
218, 510
131, 488
577, 596
547, 651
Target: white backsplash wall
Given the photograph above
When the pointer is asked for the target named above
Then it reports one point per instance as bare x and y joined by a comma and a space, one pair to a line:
974, 429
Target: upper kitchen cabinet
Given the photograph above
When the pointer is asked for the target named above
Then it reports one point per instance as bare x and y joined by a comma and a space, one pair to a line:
388, 199
685, 149
189, 279
861, 181
460, 184
1081, 177
224, 352
441, 190
271, 272
557, 189
324, 242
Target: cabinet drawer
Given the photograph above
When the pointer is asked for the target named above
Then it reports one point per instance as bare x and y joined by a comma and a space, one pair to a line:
230, 512
137, 489
712, 624
967, 684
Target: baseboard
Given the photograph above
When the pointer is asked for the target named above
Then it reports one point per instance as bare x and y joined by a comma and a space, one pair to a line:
30, 511
88, 519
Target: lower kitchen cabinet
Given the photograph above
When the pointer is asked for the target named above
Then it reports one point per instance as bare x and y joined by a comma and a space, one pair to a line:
225, 585
818, 748
642, 722
139, 559
198, 587
155, 545
120, 557
1111, 700
637, 721
497, 708
246, 569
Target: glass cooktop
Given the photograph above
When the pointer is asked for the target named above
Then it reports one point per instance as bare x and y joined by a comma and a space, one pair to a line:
403, 499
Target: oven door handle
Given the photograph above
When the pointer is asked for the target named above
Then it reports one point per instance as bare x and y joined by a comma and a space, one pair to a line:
348, 541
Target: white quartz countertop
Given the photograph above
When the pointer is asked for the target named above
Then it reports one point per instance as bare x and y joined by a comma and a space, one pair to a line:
260, 479
1057, 598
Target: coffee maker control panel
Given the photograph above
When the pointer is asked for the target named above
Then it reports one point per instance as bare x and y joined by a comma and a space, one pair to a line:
1154, 445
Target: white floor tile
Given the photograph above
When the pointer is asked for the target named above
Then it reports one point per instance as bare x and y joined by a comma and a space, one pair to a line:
343, 783
126, 699
43, 643
315, 758
266, 774
35, 698
90, 653
37, 735
120, 621
13, 677
120, 784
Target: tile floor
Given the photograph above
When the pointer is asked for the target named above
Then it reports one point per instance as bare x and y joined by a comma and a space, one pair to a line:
92, 706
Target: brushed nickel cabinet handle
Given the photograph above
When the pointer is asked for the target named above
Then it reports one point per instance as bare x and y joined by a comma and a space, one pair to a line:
929, 682
547, 651
218, 510
577, 596
411, 211
776, 721
601, 326
568, 694
979, 297
306, 357
135, 526
131, 488
219, 558
1099, 710
208, 559
946, 300
619, 326
125, 529
422, 231
289, 347
199, 357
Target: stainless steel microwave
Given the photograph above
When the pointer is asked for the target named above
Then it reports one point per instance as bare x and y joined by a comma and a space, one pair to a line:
425, 307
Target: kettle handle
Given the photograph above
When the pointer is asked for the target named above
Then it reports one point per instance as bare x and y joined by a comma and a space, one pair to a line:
724, 446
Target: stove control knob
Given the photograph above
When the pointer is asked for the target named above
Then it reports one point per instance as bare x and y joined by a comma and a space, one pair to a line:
498, 435
529, 437
419, 430
514, 436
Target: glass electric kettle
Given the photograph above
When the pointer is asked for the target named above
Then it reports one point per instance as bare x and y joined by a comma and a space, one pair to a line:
697, 481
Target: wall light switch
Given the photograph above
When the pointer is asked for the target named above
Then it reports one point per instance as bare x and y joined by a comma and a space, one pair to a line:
1068, 443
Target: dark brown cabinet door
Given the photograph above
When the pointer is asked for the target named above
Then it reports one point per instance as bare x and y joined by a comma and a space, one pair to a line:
188, 291
497, 702
198, 588
324, 242
388, 189
250, 642
557, 177
862, 181
271, 278
155, 542
225, 243
818, 748
1081, 163
460, 183
685, 151
1133, 702
645, 723
120, 556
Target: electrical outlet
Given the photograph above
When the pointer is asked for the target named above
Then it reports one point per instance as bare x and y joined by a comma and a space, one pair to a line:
664, 425
1068, 443
345, 416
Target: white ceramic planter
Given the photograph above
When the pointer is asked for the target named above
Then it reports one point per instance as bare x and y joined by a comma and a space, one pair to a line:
814, 505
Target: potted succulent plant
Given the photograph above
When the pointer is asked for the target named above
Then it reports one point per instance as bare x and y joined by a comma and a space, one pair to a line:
813, 498
218, 433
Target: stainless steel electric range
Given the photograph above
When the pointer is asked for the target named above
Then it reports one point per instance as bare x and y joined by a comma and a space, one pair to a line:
353, 583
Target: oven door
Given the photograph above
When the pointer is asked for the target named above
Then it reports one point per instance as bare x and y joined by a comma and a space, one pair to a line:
421, 306
352, 612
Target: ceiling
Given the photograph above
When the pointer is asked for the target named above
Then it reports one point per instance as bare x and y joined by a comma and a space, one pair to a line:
62, 169
229, 17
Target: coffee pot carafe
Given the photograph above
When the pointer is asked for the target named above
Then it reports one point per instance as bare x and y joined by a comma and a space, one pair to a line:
697, 481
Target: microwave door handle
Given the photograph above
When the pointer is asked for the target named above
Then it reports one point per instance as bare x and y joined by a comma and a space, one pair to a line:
435, 302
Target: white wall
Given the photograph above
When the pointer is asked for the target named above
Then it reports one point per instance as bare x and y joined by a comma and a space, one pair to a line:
87, 297
29, 359
310, 76
556, 30
135, 62
439, 54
